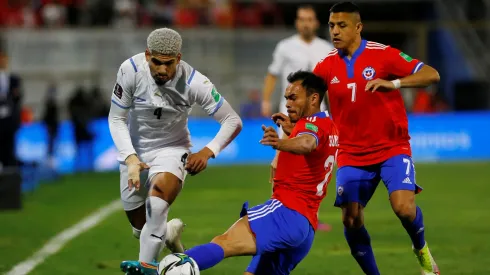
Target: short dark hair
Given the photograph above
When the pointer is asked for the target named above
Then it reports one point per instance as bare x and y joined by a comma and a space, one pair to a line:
310, 81
347, 7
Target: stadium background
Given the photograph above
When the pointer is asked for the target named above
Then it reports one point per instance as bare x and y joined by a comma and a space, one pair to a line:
61, 48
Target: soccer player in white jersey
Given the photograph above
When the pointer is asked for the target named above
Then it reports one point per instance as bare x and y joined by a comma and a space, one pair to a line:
301, 51
157, 90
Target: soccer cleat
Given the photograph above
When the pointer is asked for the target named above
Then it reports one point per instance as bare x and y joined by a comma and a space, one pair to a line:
426, 261
139, 268
175, 227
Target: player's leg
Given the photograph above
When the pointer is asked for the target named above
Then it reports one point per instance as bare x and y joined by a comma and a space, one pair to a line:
238, 240
134, 201
398, 174
283, 261
355, 187
262, 229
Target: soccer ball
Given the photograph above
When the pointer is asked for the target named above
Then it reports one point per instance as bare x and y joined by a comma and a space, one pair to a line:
178, 264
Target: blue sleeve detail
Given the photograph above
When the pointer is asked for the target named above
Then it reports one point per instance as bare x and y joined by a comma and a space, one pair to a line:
119, 105
191, 77
134, 65
311, 134
418, 67
220, 103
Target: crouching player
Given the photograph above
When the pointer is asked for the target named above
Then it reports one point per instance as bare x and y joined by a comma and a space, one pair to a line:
280, 232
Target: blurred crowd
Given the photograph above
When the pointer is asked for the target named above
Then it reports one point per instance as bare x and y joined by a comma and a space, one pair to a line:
137, 13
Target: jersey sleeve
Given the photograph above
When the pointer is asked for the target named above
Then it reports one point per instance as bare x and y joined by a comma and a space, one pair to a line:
278, 59
313, 128
204, 92
400, 63
122, 93
321, 70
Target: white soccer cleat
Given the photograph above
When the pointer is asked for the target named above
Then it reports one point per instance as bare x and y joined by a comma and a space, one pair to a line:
175, 227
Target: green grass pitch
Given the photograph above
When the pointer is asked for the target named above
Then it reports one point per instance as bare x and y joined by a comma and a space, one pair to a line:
454, 202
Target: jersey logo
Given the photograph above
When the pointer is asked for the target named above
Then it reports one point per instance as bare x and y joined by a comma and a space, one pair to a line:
311, 127
334, 80
216, 95
368, 73
118, 91
333, 141
406, 57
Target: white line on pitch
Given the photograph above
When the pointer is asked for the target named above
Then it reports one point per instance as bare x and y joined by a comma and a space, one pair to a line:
55, 244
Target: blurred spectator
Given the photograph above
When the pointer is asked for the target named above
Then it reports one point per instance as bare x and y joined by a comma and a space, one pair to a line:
222, 13
17, 13
125, 14
97, 104
252, 108
51, 120
263, 13
427, 102
78, 107
10, 111
162, 12
101, 12
53, 13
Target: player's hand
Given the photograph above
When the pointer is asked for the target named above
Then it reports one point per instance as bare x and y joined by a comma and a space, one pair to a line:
270, 138
379, 85
135, 166
284, 121
266, 108
199, 161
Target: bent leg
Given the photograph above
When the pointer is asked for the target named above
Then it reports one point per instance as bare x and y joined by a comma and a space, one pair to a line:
238, 240
164, 189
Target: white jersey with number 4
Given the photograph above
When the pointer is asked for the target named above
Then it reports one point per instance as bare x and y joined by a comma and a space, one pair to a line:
158, 114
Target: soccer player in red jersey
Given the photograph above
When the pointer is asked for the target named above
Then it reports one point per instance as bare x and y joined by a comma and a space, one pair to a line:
363, 80
280, 232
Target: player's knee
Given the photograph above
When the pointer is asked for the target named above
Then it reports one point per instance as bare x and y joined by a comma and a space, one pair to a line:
352, 222
405, 210
352, 216
166, 186
233, 246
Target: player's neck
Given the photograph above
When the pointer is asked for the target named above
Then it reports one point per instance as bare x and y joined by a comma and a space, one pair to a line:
312, 112
353, 48
307, 39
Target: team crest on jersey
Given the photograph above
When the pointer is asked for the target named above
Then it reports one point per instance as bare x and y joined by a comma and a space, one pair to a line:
368, 73
118, 91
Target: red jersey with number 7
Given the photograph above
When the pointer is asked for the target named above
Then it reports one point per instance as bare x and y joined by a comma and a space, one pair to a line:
300, 181
373, 127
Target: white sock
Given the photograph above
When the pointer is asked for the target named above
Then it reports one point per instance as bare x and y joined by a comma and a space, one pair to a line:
152, 237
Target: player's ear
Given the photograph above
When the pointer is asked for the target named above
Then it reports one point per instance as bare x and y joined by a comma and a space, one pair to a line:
147, 55
179, 56
359, 27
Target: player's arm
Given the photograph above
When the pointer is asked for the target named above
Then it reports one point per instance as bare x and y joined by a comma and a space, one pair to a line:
305, 142
300, 145
271, 78
206, 95
120, 103
412, 72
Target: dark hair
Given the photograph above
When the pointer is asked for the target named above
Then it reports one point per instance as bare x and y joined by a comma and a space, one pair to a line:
306, 7
347, 7
310, 81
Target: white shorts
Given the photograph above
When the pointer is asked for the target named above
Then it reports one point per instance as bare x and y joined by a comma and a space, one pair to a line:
163, 160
